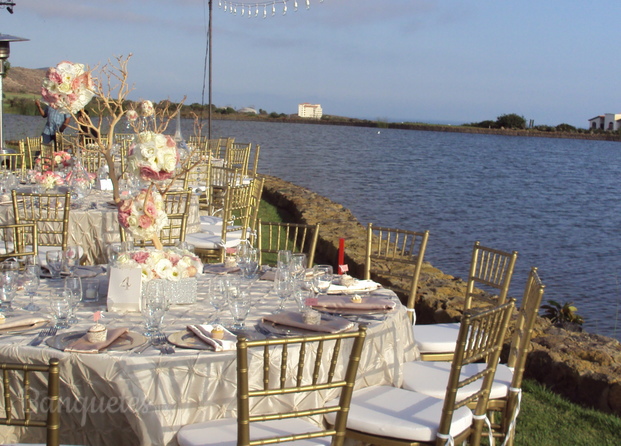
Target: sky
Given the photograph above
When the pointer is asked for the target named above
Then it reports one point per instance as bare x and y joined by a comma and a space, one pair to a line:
443, 61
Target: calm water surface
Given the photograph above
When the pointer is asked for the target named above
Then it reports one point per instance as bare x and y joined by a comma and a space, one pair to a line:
555, 201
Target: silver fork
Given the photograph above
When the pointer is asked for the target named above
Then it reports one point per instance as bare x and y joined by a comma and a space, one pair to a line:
42, 335
161, 343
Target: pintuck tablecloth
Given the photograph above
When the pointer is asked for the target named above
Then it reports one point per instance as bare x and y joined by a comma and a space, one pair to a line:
123, 398
93, 224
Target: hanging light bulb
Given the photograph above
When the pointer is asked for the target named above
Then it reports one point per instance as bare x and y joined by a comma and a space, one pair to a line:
295, 5
264, 11
273, 9
219, 3
284, 9
307, 4
243, 10
225, 7
256, 13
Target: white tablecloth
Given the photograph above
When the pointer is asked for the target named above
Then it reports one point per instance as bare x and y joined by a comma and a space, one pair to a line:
94, 223
122, 398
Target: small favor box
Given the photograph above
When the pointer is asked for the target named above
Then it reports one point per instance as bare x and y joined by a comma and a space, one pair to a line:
104, 184
124, 289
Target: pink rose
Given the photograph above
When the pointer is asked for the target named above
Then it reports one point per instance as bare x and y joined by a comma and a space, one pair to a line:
174, 259
54, 75
123, 219
141, 256
144, 221
150, 209
170, 142
125, 206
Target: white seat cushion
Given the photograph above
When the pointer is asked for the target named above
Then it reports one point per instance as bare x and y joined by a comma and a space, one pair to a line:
399, 413
436, 338
431, 378
211, 224
206, 240
224, 432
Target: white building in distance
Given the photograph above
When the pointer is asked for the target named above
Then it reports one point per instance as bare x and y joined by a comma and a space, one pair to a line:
307, 110
609, 121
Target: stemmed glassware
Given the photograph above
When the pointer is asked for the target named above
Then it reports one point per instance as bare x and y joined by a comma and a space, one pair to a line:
73, 284
322, 278
284, 258
71, 258
8, 287
239, 304
248, 260
60, 305
298, 266
283, 285
153, 307
30, 281
217, 295
54, 260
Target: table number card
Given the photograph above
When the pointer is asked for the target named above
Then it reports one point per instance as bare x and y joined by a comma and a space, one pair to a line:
124, 289
104, 184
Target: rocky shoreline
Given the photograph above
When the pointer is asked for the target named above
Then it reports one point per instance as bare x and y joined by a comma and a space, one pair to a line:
584, 367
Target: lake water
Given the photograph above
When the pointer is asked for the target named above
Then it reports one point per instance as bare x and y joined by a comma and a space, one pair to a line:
555, 201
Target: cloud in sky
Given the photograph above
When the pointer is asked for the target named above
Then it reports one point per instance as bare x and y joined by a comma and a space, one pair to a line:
418, 60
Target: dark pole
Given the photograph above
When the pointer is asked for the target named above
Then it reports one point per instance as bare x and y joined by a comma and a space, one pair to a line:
209, 50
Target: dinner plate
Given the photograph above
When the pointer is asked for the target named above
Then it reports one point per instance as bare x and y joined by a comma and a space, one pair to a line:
23, 329
128, 341
186, 339
267, 327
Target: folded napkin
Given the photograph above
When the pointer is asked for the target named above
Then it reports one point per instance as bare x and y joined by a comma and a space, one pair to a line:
203, 332
269, 275
340, 302
296, 320
219, 268
82, 345
357, 287
21, 322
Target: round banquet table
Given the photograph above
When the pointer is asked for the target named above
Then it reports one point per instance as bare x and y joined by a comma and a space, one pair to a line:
122, 397
93, 223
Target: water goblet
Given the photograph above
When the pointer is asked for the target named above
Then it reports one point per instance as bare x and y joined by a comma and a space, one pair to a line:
239, 306
71, 258
54, 260
153, 307
322, 278
74, 285
113, 251
217, 295
8, 287
283, 285
298, 265
249, 262
60, 307
284, 258
30, 281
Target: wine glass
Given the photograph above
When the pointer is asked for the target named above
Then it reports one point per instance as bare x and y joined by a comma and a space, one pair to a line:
71, 258
239, 306
8, 287
153, 307
284, 258
283, 285
298, 265
60, 307
322, 278
248, 262
54, 260
74, 285
217, 295
30, 281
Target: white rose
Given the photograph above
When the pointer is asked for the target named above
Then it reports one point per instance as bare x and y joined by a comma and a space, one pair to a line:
146, 273
65, 88
163, 268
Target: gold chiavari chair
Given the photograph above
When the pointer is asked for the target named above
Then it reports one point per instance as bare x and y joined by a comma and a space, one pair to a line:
220, 178
19, 408
431, 377
238, 156
18, 240
490, 269
255, 161
396, 254
266, 371
177, 205
255, 203
394, 416
91, 160
33, 149
295, 237
50, 212
15, 161
212, 244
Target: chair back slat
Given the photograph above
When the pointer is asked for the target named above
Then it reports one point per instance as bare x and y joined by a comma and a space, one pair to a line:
18, 240
22, 374
396, 254
490, 269
295, 237
278, 355
49, 211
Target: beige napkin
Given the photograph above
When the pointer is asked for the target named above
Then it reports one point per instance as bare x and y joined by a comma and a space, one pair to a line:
269, 275
203, 332
339, 302
83, 345
295, 319
19, 322
357, 287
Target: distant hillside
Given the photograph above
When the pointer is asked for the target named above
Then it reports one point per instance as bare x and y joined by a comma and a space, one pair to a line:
24, 80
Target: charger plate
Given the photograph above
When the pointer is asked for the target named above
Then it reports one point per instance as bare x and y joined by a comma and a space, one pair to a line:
23, 329
126, 342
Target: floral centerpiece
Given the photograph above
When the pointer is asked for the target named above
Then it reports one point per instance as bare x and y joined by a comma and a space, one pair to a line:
67, 87
154, 156
144, 215
176, 267
49, 179
58, 160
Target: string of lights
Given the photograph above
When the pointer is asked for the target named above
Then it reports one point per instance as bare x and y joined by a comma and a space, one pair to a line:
262, 9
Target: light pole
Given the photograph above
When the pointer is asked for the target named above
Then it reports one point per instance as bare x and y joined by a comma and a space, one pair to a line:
5, 50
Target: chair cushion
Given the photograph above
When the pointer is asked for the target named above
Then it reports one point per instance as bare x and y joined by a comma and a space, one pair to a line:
223, 432
211, 224
431, 378
436, 338
399, 413
212, 241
